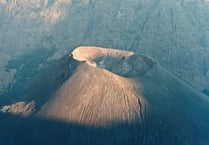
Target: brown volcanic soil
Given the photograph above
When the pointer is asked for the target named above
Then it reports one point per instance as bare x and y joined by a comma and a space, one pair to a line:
95, 96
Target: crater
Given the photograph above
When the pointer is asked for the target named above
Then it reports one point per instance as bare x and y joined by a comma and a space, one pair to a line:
120, 62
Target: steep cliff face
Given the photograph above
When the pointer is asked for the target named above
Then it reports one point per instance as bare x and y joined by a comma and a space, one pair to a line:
82, 100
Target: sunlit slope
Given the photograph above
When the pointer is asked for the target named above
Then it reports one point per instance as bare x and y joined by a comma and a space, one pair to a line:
94, 96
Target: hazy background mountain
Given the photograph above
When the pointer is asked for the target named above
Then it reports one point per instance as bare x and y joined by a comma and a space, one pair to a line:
34, 33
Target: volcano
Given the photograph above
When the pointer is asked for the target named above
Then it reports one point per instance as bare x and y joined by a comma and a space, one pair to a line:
97, 96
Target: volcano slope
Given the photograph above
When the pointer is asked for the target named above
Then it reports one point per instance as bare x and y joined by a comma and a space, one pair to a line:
100, 96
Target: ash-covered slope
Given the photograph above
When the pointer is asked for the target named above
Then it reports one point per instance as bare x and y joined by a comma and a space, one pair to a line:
94, 96
100, 96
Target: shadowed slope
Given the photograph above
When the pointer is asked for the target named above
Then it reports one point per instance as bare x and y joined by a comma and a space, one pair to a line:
16, 130
45, 85
176, 110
